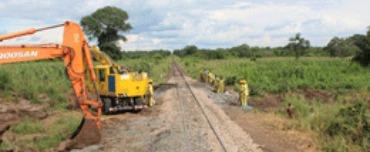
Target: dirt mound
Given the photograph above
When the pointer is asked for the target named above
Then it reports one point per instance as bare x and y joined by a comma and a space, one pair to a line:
12, 113
87, 134
24, 108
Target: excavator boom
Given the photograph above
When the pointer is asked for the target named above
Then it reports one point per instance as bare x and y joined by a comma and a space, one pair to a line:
100, 56
22, 53
76, 55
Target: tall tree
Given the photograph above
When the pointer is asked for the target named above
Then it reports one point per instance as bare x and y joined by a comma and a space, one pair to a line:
363, 43
190, 49
241, 50
341, 47
106, 25
298, 45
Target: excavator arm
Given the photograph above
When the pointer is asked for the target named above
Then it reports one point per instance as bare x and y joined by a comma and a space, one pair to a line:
100, 56
104, 59
77, 58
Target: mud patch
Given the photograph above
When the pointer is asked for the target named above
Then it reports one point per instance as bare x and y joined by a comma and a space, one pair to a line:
267, 103
323, 96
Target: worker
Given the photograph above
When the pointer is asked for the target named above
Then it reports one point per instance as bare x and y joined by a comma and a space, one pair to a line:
215, 84
221, 85
214, 80
150, 95
243, 94
211, 78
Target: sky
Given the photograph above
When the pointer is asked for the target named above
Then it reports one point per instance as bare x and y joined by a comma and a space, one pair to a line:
173, 24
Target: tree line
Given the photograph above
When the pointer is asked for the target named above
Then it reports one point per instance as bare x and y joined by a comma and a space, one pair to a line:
356, 46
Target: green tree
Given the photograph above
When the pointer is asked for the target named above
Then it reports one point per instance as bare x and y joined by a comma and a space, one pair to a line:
298, 45
241, 50
363, 43
341, 47
106, 25
190, 50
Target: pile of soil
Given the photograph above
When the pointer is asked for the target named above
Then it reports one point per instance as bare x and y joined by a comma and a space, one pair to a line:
12, 113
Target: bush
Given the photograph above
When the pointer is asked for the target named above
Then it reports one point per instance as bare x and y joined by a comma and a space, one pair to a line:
231, 80
353, 122
363, 43
302, 108
255, 90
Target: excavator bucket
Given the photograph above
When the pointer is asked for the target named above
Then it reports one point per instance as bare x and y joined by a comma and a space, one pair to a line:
87, 133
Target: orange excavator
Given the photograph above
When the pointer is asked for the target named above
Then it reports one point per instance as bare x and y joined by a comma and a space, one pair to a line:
77, 58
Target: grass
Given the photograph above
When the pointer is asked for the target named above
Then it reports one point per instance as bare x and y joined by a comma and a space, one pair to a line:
28, 126
340, 127
341, 122
29, 80
57, 131
277, 75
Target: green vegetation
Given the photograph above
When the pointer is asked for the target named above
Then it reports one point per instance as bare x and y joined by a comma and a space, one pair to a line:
356, 46
58, 131
278, 75
106, 25
31, 80
363, 43
340, 127
28, 126
342, 47
340, 118
298, 45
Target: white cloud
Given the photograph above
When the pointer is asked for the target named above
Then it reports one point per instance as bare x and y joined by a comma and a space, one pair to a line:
132, 37
207, 23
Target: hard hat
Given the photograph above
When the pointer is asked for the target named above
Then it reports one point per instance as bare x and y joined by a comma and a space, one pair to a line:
242, 81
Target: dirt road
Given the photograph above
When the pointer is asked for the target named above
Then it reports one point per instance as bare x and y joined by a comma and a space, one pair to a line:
184, 119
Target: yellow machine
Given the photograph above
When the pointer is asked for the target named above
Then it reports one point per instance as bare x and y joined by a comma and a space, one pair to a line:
119, 88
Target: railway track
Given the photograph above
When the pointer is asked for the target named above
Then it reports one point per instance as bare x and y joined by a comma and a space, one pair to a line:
179, 72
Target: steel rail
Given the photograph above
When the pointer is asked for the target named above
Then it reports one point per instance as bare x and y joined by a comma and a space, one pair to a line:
201, 107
